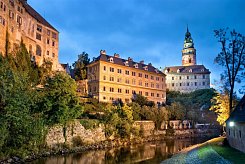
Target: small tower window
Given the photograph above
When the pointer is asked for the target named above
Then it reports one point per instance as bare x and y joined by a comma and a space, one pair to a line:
189, 60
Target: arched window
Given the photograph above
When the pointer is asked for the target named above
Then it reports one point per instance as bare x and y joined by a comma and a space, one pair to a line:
38, 50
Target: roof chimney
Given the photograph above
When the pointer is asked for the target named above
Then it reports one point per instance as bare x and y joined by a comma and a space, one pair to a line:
116, 55
142, 62
130, 59
102, 52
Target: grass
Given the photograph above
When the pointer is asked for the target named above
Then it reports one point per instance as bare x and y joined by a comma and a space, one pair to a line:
230, 154
226, 152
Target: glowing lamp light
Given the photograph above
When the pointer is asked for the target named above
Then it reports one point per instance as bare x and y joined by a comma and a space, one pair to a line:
231, 123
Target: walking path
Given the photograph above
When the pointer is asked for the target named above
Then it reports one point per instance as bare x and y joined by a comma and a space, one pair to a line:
191, 157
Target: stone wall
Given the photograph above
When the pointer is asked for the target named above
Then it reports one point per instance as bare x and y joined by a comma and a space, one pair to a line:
58, 135
146, 127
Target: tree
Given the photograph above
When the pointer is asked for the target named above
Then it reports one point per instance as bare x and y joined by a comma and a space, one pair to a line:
232, 57
60, 102
80, 69
220, 105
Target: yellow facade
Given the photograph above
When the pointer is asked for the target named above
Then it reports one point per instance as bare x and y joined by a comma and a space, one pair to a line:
21, 22
109, 81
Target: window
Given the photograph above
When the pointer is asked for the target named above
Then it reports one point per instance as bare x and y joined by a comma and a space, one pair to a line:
38, 50
111, 89
133, 81
140, 92
140, 83
127, 81
104, 77
136, 66
157, 78
180, 77
172, 84
48, 32
133, 73
140, 74
11, 14
203, 76
152, 85
47, 41
203, 83
146, 93
111, 78
119, 71
104, 68
19, 20
157, 85
195, 83
39, 28
119, 80
111, 60
146, 84
127, 91
195, 77
53, 55
104, 98
104, 89
54, 36
127, 72
152, 94
172, 78
188, 84
180, 84
187, 77
119, 90
152, 77
240, 133
158, 95
146, 76
53, 43
11, 2
38, 36
111, 69
47, 53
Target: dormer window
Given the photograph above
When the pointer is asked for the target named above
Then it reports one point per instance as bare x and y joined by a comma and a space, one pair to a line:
178, 71
136, 66
126, 63
111, 60
156, 70
146, 68
202, 70
190, 70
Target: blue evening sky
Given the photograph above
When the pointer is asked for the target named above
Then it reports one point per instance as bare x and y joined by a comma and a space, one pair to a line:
149, 30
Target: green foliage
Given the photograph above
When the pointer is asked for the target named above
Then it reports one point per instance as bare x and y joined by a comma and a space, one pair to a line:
157, 115
80, 69
22, 129
189, 105
60, 102
90, 123
141, 100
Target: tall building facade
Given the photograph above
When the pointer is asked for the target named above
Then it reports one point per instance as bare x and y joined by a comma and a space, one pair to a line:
190, 76
19, 21
111, 78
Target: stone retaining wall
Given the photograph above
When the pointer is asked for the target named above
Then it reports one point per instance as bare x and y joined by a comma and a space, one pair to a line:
72, 134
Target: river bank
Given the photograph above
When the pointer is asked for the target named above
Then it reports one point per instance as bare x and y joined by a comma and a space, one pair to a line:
108, 144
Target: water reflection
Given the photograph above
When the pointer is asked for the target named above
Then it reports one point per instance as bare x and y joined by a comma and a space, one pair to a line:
142, 153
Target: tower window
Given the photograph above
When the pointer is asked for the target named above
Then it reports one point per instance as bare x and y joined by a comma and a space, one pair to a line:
189, 60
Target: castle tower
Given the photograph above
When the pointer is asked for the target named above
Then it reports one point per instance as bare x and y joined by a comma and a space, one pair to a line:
188, 52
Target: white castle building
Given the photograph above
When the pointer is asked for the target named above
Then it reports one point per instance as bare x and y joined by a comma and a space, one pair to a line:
190, 76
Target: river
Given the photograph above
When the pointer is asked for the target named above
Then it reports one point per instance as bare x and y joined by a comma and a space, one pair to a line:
147, 153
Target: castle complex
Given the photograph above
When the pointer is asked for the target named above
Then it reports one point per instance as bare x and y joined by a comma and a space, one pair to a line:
19, 21
190, 76
111, 78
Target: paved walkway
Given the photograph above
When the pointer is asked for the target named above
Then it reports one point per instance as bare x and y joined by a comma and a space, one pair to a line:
191, 157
